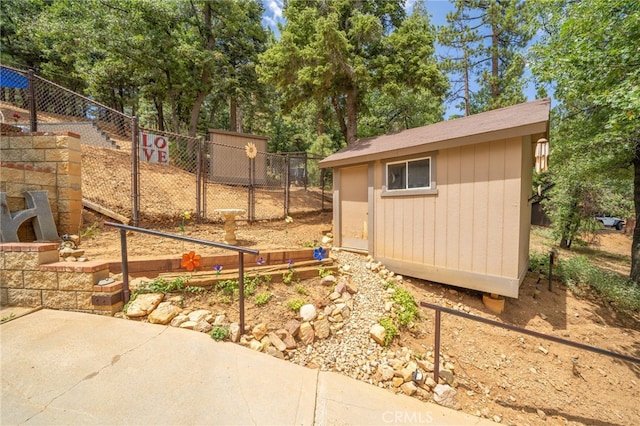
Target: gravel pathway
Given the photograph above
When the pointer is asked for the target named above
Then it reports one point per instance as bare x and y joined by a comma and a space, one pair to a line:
350, 350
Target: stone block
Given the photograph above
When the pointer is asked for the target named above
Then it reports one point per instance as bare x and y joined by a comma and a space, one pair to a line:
29, 261
84, 300
24, 297
75, 156
11, 279
11, 155
4, 296
11, 174
56, 299
40, 178
21, 142
35, 155
79, 281
56, 155
41, 280
43, 142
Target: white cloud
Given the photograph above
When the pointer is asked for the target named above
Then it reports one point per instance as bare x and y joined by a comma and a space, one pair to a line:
275, 7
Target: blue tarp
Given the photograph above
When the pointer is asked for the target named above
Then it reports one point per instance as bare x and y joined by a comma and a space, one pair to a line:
13, 79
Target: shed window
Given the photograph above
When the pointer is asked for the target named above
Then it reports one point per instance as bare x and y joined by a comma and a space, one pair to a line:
409, 174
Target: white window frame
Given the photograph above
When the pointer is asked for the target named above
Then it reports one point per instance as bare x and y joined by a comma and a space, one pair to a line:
425, 190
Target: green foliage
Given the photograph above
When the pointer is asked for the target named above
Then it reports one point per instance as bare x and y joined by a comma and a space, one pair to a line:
161, 285
322, 272
228, 287
390, 330
331, 53
262, 298
289, 276
578, 273
90, 231
295, 304
587, 58
302, 290
487, 39
7, 318
219, 332
407, 307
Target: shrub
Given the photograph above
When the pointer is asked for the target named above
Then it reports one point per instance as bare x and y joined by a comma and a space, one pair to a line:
390, 330
263, 298
219, 333
295, 304
408, 308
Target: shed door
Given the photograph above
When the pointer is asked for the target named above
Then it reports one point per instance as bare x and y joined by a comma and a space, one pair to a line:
354, 207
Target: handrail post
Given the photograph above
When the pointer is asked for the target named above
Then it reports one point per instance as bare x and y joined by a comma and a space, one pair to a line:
241, 289
33, 110
125, 266
436, 349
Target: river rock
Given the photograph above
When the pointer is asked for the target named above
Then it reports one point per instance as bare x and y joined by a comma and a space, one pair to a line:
255, 345
277, 342
286, 338
386, 372
203, 326
408, 388
292, 326
144, 304
198, 315
259, 331
377, 333
306, 333
164, 313
178, 320
445, 395
308, 312
328, 281
234, 332
189, 325
321, 328
352, 286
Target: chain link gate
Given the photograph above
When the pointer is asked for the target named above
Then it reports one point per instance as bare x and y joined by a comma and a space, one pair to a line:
152, 175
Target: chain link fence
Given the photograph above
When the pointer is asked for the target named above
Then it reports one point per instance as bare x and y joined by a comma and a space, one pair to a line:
149, 175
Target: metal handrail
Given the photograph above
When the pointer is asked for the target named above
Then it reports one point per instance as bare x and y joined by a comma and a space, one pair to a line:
125, 268
438, 309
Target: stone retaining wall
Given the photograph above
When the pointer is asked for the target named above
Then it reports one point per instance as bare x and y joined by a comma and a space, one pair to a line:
43, 161
31, 275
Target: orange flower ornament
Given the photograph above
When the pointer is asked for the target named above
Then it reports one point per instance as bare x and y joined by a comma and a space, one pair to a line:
190, 260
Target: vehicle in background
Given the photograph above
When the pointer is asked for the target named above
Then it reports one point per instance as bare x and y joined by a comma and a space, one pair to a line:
611, 221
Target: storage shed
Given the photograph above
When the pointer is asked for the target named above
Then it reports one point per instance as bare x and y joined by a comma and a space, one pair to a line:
446, 202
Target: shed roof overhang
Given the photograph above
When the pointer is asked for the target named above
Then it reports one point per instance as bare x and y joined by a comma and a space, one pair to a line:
531, 118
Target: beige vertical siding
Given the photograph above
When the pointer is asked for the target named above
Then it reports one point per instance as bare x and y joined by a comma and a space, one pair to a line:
475, 224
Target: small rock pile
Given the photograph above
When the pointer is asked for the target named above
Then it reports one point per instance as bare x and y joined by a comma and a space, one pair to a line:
339, 334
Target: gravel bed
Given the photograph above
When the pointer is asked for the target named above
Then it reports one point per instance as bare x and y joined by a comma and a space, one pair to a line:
350, 350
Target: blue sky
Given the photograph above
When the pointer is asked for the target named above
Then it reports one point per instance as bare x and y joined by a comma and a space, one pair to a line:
437, 9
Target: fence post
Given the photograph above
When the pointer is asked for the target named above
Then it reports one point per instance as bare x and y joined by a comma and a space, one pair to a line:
33, 119
198, 179
436, 349
252, 193
286, 185
135, 195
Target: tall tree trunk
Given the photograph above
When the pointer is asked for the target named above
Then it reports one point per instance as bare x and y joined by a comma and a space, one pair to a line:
635, 245
205, 76
340, 117
495, 64
352, 116
467, 108
160, 113
233, 117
